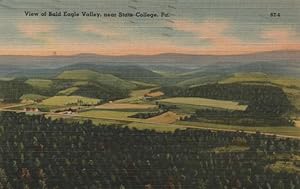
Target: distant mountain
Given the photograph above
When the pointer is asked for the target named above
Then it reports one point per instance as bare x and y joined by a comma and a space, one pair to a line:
59, 61
148, 68
128, 72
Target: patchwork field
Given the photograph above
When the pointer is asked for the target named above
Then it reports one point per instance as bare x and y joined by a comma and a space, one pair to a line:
205, 102
68, 100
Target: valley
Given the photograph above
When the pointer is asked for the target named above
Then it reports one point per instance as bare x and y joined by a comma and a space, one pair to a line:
146, 96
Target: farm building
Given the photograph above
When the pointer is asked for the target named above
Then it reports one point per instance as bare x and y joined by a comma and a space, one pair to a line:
29, 109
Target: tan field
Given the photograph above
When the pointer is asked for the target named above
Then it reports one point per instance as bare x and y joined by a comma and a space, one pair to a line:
168, 117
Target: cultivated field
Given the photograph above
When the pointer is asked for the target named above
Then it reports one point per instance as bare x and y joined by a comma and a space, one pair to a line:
168, 117
205, 102
68, 100
40, 83
108, 114
121, 106
136, 96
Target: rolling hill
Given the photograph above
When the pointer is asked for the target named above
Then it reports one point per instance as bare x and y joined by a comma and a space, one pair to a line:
102, 79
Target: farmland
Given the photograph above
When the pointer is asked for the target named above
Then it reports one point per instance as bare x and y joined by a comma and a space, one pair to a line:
205, 102
120, 106
40, 83
107, 114
168, 117
110, 94
33, 97
69, 100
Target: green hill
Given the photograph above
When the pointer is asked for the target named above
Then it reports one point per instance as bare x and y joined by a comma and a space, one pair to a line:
258, 77
291, 86
104, 79
11, 91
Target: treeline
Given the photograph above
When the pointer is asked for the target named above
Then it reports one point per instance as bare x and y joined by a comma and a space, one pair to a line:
11, 91
266, 104
37, 152
237, 118
162, 108
146, 115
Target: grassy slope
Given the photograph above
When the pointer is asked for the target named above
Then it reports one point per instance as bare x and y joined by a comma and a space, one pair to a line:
40, 83
33, 97
261, 77
199, 81
68, 91
105, 79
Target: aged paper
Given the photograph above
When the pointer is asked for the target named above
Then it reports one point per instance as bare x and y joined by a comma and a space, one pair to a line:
131, 94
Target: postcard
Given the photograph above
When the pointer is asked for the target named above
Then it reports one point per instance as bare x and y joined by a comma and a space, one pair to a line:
136, 94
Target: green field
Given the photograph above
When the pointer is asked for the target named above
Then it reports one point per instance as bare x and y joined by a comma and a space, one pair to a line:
107, 114
136, 96
143, 84
69, 100
33, 97
230, 149
40, 83
6, 78
68, 91
205, 102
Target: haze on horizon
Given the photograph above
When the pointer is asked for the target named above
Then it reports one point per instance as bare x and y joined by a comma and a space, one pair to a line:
216, 27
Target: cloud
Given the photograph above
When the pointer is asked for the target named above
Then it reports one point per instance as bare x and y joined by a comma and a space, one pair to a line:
279, 34
212, 31
36, 30
217, 33
100, 31
207, 37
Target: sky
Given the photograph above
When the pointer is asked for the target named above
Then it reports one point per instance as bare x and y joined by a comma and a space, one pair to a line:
216, 27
